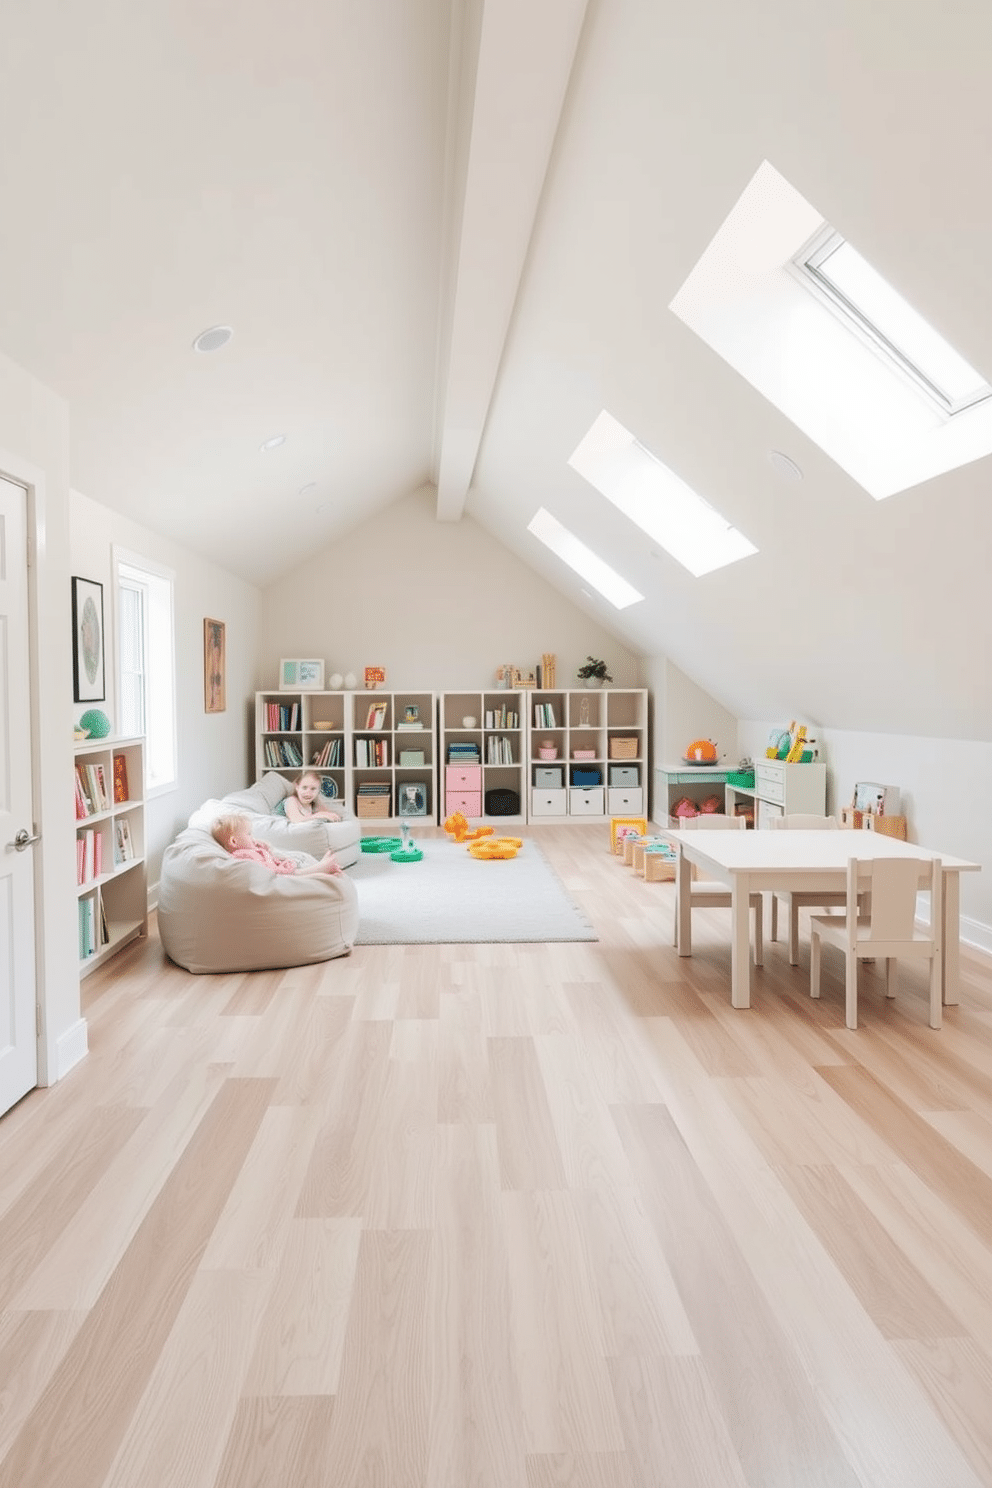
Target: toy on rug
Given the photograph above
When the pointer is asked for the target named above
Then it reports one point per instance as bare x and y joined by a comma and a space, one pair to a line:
380, 844
496, 847
456, 826
409, 852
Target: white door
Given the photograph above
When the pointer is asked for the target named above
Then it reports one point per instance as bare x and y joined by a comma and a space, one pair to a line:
18, 1039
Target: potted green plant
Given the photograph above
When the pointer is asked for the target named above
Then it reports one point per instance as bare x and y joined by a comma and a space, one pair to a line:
593, 672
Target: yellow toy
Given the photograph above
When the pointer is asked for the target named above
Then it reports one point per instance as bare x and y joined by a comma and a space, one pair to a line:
496, 847
456, 826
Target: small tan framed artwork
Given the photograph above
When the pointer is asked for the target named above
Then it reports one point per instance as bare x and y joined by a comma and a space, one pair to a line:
214, 666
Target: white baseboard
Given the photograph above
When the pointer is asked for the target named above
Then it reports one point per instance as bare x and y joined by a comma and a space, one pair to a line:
71, 1047
976, 934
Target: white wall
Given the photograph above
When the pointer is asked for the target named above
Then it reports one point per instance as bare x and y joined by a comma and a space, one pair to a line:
439, 604
213, 748
945, 797
34, 451
680, 712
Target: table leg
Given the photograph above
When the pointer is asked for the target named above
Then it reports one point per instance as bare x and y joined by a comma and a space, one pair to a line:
950, 935
740, 951
684, 906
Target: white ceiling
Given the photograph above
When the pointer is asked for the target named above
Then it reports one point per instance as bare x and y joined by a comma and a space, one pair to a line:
447, 236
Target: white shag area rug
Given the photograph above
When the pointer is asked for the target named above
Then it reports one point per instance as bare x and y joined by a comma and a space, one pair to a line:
451, 897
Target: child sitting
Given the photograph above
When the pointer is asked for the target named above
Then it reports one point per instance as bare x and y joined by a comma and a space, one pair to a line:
304, 802
232, 832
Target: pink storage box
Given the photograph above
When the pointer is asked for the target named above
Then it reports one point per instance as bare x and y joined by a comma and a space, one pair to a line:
469, 803
547, 753
463, 777
583, 754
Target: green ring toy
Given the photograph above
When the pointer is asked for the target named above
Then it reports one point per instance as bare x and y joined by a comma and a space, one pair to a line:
381, 844
406, 855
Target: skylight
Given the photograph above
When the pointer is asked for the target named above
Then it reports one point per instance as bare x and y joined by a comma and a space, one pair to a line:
863, 385
656, 499
583, 560
896, 330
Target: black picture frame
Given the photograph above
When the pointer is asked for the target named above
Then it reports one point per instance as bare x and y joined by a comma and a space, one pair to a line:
89, 663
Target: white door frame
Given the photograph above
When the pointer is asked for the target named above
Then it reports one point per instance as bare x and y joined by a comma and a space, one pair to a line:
62, 1036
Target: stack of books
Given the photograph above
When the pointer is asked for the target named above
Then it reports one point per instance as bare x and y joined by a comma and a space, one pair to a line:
466, 753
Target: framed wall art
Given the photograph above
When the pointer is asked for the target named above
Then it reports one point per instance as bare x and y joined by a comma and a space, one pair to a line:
214, 666
301, 676
412, 799
88, 661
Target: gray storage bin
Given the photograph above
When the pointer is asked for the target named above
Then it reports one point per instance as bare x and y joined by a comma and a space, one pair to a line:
624, 775
549, 777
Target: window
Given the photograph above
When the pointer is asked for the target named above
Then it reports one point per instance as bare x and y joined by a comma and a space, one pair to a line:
548, 530
797, 312
146, 670
880, 314
656, 500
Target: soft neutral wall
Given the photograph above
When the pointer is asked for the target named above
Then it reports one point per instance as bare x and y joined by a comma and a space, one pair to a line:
34, 451
680, 712
439, 604
213, 748
945, 797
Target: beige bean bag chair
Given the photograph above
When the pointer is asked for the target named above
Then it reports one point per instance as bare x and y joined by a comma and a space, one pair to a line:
218, 913
259, 803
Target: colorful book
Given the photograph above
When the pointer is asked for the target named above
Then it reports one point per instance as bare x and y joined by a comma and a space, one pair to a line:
121, 792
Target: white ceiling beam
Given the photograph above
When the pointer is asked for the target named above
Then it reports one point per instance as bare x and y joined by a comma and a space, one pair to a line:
525, 59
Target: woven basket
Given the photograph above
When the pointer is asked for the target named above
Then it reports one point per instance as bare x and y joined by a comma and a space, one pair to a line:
623, 748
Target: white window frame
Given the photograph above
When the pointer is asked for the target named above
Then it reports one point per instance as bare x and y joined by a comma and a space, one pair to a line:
159, 709
808, 266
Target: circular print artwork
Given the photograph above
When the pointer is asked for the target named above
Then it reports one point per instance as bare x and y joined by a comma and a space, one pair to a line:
89, 634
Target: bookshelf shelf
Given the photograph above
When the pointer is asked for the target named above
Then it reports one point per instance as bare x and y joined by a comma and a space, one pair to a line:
112, 889
357, 740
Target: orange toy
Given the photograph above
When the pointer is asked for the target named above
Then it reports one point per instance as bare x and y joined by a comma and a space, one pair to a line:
456, 826
703, 750
496, 847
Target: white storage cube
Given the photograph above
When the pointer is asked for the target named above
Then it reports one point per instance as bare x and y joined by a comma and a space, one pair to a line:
585, 801
626, 802
548, 802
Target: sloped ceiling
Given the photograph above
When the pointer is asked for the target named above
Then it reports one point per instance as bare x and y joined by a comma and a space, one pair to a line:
446, 236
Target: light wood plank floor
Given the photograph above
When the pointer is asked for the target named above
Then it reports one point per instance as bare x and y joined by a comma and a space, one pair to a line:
502, 1216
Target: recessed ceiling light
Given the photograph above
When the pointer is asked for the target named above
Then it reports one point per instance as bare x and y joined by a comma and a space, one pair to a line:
305, 490
784, 465
213, 339
273, 443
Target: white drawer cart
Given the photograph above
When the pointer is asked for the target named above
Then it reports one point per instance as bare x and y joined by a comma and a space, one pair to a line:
780, 789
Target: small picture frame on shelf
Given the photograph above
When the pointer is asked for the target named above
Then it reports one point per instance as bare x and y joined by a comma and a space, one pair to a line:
412, 799
297, 675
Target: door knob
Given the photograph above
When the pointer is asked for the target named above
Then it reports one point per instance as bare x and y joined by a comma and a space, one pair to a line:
23, 840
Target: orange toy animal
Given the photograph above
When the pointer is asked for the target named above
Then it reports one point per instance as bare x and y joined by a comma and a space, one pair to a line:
496, 847
456, 826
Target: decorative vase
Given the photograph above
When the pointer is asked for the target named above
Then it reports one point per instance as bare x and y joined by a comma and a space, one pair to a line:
350, 681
